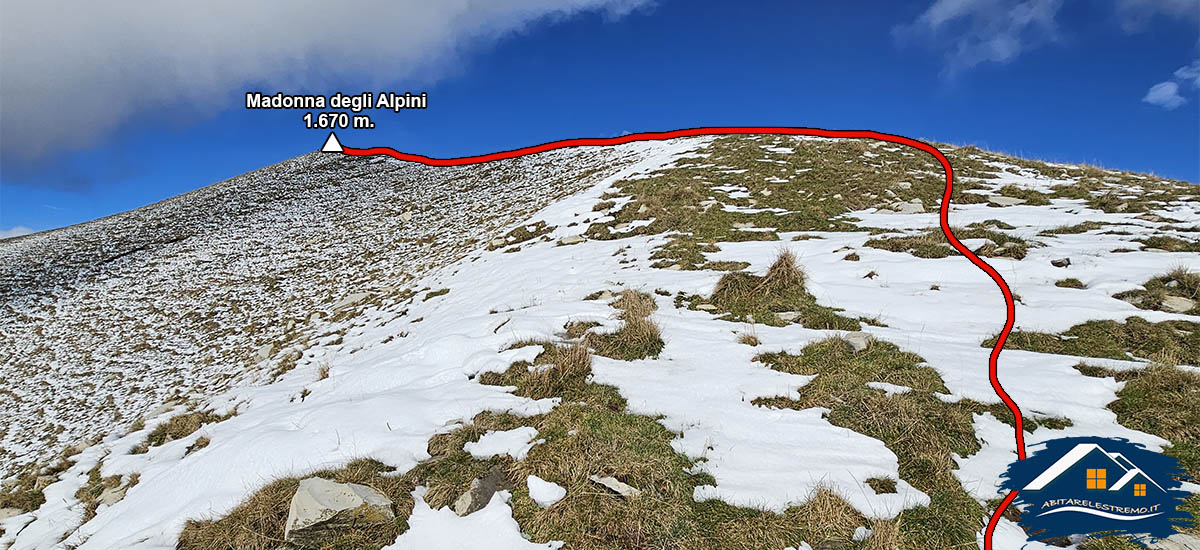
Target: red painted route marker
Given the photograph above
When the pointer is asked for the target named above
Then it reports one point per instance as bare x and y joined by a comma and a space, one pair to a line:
332, 145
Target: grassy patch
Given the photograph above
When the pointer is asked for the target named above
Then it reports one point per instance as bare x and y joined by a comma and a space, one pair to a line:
1170, 244
1170, 342
1070, 283
1160, 400
934, 244
435, 294
521, 234
1179, 282
921, 429
178, 427
742, 297
1030, 196
638, 338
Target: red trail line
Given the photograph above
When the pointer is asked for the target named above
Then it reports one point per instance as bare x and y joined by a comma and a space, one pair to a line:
1010, 309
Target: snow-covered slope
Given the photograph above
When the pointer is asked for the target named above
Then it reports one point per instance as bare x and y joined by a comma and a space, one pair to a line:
389, 328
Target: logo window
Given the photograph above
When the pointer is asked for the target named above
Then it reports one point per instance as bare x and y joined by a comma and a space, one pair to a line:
1139, 489
1097, 479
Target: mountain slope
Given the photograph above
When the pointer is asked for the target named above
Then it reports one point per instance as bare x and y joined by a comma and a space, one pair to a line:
753, 401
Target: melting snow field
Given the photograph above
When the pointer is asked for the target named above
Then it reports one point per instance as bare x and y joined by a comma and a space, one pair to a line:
394, 382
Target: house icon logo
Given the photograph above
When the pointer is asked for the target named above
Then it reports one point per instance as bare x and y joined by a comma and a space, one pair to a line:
1080, 486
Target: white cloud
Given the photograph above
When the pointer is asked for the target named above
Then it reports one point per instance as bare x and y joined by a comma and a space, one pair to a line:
1136, 15
72, 72
14, 232
1165, 95
972, 32
1190, 73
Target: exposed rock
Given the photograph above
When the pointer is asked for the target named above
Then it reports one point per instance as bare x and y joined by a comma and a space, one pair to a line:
1178, 541
908, 208
111, 495
643, 209
265, 351
42, 482
1177, 304
480, 493
498, 242
838, 196
706, 307
903, 185
406, 217
1061, 262
858, 340
6, 513
321, 507
350, 301
788, 316
571, 239
1001, 200
612, 484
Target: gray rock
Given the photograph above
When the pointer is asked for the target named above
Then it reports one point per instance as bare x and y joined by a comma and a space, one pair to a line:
480, 493
904, 185
1177, 304
1001, 200
1178, 541
788, 316
908, 208
42, 482
612, 484
322, 507
571, 239
498, 242
350, 301
265, 351
643, 209
111, 495
1061, 262
858, 340
706, 307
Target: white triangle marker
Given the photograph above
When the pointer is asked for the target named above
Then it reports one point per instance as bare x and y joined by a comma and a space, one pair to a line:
332, 145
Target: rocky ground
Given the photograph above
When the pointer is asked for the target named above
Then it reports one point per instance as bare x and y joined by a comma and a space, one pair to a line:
739, 342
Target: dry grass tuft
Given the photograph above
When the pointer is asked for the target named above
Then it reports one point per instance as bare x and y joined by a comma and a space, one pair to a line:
178, 427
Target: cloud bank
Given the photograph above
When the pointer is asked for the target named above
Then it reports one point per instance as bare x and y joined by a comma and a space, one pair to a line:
71, 73
1166, 94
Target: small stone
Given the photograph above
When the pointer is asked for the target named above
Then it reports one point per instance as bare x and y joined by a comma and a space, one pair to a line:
612, 484
480, 493
314, 317
766, 192
322, 508
571, 239
643, 209
498, 242
1061, 262
1000, 200
788, 316
908, 208
406, 217
838, 196
1173, 284
904, 185
1177, 304
858, 340
706, 307
265, 351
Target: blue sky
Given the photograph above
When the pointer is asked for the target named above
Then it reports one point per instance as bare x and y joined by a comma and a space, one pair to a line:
1114, 84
